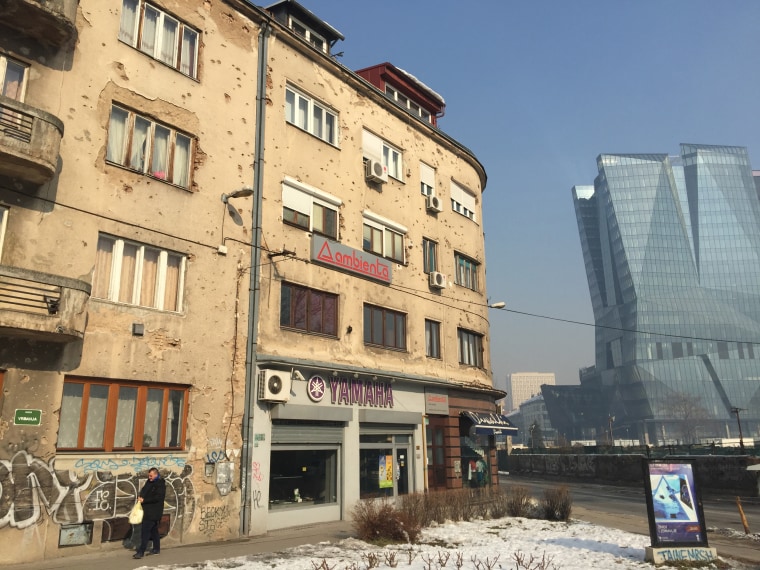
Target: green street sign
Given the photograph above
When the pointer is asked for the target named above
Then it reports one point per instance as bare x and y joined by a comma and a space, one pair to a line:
27, 417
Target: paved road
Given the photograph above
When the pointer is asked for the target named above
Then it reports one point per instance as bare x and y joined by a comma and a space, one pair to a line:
625, 508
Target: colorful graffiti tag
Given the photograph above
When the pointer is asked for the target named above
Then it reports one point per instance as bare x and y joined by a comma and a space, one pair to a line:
30, 487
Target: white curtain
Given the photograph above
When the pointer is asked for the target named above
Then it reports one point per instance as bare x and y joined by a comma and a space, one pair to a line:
96, 416
169, 41
140, 139
189, 50
125, 417
128, 26
150, 25
71, 407
117, 128
181, 171
151, 433
160, 162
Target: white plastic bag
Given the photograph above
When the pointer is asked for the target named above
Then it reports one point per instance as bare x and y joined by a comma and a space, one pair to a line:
136, 514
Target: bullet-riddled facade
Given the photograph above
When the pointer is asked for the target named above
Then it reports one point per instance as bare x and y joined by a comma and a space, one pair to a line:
225, 255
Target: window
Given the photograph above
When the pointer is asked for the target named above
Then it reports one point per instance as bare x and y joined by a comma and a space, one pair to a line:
301, 477
105, 415
429, 255
308, 310
3, 223
159, 35
376, 148
305, 113
407, 103
427, 180
470, 348
310, 36
310, 208
13, 75
140, 144
383, 237
467, 272
432, 339
463, 201
383, 327
138, 274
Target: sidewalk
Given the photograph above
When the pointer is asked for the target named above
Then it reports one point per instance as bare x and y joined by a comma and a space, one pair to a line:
273, 541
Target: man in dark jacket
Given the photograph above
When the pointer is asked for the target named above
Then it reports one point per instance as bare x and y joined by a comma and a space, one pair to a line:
152, 497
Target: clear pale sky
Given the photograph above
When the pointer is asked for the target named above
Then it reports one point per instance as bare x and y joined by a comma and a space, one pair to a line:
537, 90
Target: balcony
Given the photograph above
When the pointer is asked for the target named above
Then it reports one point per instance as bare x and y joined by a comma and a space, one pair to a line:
29, 142
52, 22
43, 307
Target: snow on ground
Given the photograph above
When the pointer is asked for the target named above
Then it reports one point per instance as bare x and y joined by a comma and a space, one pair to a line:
477, 545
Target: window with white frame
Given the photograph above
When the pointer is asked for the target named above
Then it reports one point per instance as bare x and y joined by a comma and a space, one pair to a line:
470, 348
3, 223
383, 237
463, 201
429, 255
432, 339
427, 180
144, 145
404, 101
310, 208
311, 116
308, 34
391, 157
13, 76
159, 35
138, 274
466, 271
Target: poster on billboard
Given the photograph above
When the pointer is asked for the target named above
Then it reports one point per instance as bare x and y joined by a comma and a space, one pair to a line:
674, 506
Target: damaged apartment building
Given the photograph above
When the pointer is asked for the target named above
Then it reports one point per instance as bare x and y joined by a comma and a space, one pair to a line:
226, 255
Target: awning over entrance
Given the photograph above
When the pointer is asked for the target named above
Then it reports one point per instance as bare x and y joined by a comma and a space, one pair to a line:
490, 424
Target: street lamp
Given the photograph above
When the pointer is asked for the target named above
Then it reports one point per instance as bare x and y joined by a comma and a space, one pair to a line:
241, 193
611, 419
736, 411
532, 429
497, 305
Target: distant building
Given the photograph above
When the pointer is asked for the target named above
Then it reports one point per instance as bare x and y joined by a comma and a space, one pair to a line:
672, 253
536, 427
522, 386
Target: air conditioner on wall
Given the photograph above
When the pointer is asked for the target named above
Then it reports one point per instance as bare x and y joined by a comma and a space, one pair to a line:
375, 171
274, 386
437, 280
433, 203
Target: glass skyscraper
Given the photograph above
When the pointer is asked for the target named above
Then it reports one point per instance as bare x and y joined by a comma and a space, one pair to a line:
672, 253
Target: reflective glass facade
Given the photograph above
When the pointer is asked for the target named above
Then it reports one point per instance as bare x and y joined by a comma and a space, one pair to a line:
672, 253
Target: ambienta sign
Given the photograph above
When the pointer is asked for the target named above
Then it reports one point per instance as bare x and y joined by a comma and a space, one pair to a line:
349, 259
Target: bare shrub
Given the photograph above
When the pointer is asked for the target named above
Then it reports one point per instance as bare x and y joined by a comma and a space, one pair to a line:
557, 504
377, 521
498, 503
518, 501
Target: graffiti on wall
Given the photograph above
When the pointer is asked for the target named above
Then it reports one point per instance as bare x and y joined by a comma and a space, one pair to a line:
213, 518
30, 487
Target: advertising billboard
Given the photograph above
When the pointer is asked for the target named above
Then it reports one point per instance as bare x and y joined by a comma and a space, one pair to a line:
673, 504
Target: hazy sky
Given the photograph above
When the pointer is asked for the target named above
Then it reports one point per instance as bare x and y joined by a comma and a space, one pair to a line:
537, 90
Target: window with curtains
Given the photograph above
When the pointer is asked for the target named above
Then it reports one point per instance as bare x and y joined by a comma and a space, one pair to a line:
13, 75
466, 271
432, 339
463, 201
308, 310
142, 144
376, 148
384, 327
427, 180
138, 274
160, 35
311, 116
470, 348
112, 415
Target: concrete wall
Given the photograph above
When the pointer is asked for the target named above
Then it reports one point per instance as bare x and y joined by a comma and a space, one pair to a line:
715, 474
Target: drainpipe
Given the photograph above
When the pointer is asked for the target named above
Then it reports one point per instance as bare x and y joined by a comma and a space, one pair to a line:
246, 465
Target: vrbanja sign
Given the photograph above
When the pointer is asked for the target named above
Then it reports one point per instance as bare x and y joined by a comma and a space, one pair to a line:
674, 508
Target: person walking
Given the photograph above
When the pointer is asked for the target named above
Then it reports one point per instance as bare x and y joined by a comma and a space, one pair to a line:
152, 497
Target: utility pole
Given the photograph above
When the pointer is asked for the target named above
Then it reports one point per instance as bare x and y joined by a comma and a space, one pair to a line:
611, 419
736, 411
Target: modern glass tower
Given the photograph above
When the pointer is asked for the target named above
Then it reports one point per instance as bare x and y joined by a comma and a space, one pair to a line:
672, 253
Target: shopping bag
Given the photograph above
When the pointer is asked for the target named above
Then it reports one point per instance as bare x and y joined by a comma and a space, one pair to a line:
136, 514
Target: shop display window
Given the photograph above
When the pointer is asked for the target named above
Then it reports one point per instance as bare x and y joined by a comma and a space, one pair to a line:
301, 477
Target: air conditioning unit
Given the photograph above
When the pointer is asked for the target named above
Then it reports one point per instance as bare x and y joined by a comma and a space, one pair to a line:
433, 203
274, 386
375, 171
437, 280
